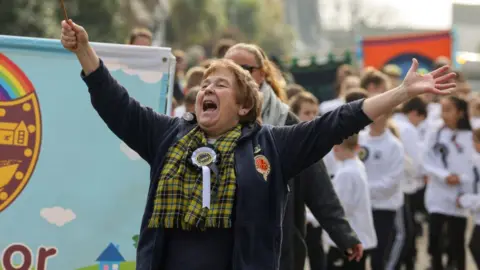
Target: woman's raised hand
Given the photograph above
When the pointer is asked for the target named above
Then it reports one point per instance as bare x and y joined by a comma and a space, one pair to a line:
438, 82
74, 37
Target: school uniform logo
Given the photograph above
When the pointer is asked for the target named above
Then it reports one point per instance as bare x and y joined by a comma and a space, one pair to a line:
20, 131
363, 153
262, 165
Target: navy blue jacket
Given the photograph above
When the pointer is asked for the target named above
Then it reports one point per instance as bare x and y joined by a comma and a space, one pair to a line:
260, 204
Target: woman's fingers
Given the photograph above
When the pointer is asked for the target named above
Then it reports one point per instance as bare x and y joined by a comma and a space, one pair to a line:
67, 32
69, 44
439, 71
69, 38
444, 86
436, 91
445, 78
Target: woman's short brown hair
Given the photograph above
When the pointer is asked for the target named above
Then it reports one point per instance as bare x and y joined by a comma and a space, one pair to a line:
298, 100
246, 88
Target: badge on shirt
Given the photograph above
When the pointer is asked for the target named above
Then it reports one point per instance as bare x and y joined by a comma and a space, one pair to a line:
188, 116
262, 165
377, 155
203, 156
363, 153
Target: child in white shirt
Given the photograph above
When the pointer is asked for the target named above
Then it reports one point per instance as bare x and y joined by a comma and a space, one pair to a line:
404, 249
447, 162
351, 186
383, 156
471, 201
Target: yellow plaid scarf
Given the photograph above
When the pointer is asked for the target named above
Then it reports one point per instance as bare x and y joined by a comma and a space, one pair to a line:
178, 200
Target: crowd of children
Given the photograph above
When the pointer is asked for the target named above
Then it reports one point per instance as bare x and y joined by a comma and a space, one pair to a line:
419, 159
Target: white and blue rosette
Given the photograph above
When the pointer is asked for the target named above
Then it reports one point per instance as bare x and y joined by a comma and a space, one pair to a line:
205, 158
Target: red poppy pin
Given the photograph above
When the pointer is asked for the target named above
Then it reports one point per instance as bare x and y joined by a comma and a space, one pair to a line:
263, 166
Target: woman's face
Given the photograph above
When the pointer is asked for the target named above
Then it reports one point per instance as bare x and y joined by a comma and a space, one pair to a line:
308, 111
216, 106
248, 62
450, 113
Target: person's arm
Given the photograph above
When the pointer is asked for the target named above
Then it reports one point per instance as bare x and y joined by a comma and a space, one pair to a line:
299, 146
321, 199
392, 178
139, 127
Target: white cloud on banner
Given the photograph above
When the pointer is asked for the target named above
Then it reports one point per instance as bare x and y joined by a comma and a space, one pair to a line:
144, 75
58, 215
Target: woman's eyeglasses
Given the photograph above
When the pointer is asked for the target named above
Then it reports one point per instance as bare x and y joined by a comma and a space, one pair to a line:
249, 68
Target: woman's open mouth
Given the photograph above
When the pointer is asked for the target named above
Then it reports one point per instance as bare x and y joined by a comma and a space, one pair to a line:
209, 106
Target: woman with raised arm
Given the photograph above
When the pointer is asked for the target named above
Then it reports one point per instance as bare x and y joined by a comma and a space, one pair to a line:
218, 182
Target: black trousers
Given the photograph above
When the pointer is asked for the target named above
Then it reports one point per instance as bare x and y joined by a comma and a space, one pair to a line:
475, 245
417, 203
316, 254
337, 260
455, 237
384, 221
403, 251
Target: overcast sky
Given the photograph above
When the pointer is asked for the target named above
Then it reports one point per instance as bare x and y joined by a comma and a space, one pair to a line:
433, 14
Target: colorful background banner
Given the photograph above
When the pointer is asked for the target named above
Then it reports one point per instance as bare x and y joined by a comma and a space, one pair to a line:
399, 50
71, 193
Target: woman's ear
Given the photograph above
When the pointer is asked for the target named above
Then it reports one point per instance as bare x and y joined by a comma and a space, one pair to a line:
243, 112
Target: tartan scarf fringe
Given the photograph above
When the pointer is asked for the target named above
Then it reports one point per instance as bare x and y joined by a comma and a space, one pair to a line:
178, 199
178, 222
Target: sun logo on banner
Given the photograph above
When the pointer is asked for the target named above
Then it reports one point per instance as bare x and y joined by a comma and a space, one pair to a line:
20, 131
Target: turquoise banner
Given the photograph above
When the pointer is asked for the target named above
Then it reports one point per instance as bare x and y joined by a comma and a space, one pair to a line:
71, 193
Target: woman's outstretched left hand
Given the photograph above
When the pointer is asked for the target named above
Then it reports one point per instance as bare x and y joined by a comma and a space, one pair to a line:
438, 82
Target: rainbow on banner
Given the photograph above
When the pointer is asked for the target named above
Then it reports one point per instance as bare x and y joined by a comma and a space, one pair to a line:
14, 83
